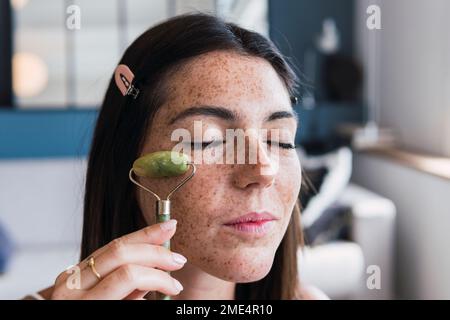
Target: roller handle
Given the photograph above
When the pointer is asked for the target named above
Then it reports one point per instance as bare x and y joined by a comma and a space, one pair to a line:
163, 215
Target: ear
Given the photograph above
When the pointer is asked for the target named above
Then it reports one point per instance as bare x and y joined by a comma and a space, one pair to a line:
124, 78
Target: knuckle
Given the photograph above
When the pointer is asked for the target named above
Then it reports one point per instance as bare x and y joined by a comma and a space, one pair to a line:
160, 251
118, 249
60, 278
148, 232
126, 273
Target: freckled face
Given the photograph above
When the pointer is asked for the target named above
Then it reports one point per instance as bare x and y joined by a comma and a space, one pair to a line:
250, 89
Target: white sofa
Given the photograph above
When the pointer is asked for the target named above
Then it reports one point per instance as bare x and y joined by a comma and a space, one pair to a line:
41, 207
341, 269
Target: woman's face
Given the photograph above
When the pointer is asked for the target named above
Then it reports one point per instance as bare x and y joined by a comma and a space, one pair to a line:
250, 95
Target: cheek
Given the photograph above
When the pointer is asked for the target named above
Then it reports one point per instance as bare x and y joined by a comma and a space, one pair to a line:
197, 209
195, 206
198, 203
287, 185
289, 180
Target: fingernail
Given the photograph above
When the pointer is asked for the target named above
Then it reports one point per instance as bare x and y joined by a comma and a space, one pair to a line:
178, 258
168, 225
177, 284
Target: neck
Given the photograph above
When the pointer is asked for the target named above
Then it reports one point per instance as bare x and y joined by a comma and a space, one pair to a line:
199, 285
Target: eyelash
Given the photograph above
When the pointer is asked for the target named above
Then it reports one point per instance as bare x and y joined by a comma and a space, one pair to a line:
204, 145
209, 144
283, 145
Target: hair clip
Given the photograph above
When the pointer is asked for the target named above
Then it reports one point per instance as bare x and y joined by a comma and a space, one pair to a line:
294, 100
124, 80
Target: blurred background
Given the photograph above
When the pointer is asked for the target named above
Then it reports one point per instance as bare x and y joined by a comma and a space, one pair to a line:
374, 134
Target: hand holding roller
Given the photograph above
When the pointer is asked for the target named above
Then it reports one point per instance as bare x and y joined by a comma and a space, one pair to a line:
162, 164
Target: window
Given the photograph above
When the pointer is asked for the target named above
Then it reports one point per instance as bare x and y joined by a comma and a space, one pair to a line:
59, 67
412, 82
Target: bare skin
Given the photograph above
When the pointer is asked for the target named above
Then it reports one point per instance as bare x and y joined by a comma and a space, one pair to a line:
218, 256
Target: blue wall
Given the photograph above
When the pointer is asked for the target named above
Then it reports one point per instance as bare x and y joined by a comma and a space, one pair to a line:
319, 125
49, 133
293, 26
41, 134
293, 23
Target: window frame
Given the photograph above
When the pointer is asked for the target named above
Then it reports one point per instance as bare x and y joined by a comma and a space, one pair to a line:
6, 47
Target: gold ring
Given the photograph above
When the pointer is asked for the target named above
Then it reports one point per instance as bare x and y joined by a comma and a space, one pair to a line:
91, 264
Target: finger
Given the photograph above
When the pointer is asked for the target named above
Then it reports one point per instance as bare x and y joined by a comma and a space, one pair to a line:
126, 279
137, 295
120, 254
141, 295
154, 234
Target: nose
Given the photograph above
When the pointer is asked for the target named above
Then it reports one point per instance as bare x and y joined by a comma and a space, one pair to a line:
260, 173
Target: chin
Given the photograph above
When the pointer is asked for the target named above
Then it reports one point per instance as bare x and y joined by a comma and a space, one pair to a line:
242, 269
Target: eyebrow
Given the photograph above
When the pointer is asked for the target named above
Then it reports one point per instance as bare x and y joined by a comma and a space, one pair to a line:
282, 115
226, 114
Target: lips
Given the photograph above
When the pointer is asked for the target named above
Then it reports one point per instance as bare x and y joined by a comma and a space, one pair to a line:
253, 223
252, 218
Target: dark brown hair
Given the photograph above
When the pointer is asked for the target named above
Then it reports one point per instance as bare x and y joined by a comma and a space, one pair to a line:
110, 204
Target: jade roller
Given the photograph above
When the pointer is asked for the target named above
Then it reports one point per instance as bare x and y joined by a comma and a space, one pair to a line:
162, 164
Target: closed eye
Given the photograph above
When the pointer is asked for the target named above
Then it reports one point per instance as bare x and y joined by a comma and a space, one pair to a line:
281, 144
205, 144
211, 144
